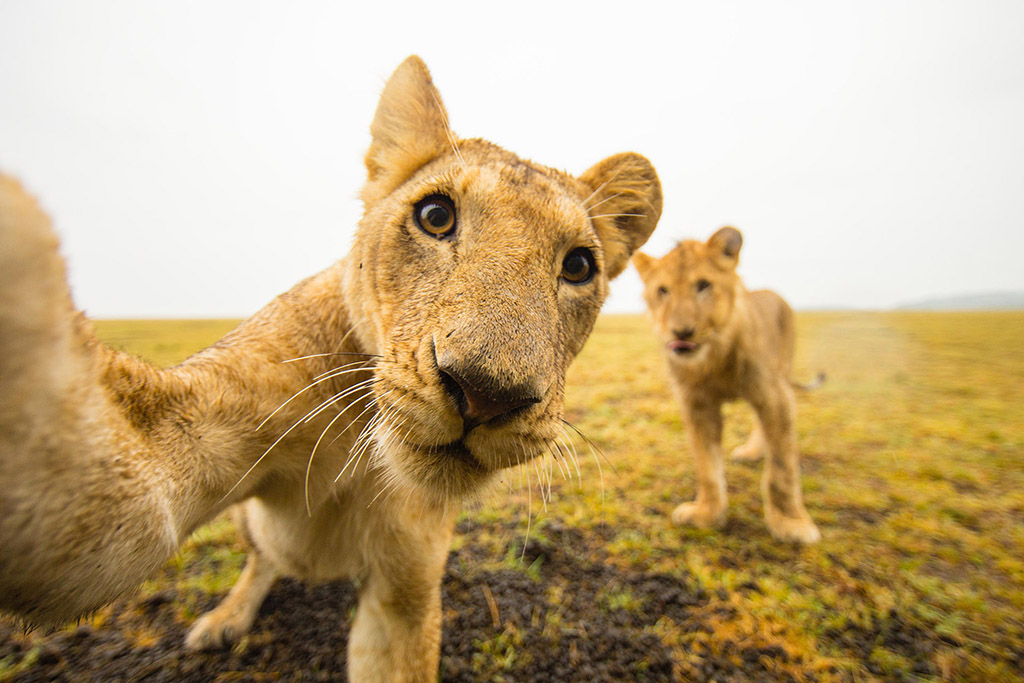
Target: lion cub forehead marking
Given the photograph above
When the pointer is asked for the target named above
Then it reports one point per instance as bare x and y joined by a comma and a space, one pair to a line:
537, 197
684, 258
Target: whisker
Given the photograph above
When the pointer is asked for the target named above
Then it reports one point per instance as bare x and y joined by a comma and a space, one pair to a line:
590, 443
448, 133
559, 465
368, 407
599, 188
354, 448
570, 451
616, 215
364, 439
336, 353
390, 482
296, 395
362, 442
347, 392
548, 471
312, 454
593, 206
540, 484
277, 441
383, 443
341, 369
388, 442
529, 511
592, 446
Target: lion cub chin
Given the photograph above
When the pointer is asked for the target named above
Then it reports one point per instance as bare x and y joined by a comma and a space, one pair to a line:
724, 343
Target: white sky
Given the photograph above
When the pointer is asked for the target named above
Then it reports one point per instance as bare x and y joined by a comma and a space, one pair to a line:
201, 157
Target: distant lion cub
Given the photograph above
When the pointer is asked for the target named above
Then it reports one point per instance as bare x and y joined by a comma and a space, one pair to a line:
724, 343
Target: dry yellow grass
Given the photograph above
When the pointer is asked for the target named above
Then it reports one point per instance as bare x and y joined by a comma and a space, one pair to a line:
912, 469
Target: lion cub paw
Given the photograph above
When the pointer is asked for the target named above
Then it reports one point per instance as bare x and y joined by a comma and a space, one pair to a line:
698, 515
794, 529
216, 630
747, 453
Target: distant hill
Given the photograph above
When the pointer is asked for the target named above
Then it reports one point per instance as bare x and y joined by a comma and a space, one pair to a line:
988, 301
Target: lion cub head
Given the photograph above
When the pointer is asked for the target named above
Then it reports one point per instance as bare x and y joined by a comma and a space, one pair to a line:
477, 276
691, 293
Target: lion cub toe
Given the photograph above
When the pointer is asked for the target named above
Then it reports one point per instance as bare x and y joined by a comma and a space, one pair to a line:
698, 515
215, 630
794, 529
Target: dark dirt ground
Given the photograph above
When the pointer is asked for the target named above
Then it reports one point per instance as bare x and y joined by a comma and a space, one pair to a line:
550, 620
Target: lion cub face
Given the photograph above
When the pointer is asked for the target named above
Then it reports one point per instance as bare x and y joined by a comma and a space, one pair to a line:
691, 292
478, 276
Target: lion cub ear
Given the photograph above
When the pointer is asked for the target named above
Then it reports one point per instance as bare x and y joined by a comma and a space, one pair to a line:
624, 205
725, 247
643, 264
409, 129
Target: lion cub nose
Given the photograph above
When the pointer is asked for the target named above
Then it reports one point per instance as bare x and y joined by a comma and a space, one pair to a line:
478, 405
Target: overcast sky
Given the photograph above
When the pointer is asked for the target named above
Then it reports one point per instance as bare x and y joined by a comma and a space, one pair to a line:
200, 157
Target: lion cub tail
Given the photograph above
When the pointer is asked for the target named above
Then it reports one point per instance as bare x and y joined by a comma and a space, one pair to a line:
815, 383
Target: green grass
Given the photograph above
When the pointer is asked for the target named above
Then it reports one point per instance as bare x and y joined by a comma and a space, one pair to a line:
912, 460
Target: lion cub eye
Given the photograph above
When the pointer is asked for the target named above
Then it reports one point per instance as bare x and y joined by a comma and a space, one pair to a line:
435, 215
663, 291
578, 266
703, 285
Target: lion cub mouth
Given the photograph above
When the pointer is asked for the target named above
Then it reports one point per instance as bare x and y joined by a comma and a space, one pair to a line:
681, 347
456, 450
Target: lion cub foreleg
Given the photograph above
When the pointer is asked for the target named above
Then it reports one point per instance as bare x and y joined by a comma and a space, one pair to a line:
754, 447
704, 422
396, 635
233, 617
780, 484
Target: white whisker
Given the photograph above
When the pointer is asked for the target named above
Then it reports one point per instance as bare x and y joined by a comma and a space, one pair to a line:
571, 454
312, 454
337, 397
599, 188
540, 484
448, 133
597, 204
342, 371
560, 469
616, 215
529, 511
334, 353
296, 395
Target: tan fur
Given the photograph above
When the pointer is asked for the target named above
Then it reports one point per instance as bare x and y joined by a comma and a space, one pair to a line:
108, 463
724, 343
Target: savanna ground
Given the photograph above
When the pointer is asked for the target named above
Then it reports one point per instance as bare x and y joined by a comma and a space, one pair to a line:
912, 461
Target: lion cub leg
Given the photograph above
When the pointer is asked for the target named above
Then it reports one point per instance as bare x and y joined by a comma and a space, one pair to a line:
754, 447
396, 635
233, 617
780, 484
704, 421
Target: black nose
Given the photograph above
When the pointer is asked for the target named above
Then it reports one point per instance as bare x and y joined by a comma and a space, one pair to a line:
479, 405
685, 333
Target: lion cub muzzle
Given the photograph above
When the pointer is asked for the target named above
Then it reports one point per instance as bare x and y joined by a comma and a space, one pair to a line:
682, 342
486, 392
482, 406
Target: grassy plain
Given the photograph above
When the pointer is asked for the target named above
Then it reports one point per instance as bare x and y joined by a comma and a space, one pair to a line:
913, 463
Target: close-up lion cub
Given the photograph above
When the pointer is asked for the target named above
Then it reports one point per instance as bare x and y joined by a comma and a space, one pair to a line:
346, 419
724, 343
